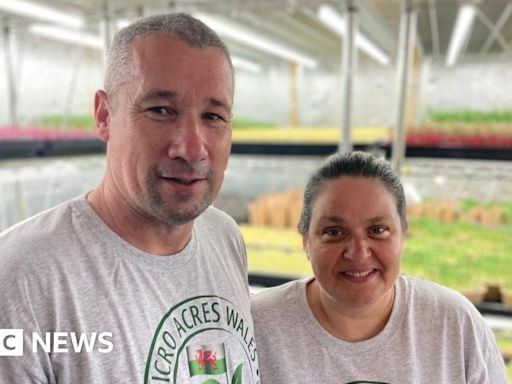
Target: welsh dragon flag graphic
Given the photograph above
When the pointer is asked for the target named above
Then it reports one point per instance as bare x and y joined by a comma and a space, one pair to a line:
206, 359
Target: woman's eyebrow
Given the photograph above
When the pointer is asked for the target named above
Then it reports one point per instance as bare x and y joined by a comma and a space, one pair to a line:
378, 219
341, 220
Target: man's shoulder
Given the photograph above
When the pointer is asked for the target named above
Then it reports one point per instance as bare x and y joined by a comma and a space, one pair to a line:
215, 219
31, 237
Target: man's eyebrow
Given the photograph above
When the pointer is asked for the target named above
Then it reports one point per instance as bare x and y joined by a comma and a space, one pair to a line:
169, 95
219, 103
157, 94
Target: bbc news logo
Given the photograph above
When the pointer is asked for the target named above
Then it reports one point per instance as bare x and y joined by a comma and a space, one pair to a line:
11, 342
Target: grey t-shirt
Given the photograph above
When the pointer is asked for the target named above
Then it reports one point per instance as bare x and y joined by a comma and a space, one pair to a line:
434, 335
142, 318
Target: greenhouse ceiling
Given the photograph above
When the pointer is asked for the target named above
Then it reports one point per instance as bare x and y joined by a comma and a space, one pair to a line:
296, 25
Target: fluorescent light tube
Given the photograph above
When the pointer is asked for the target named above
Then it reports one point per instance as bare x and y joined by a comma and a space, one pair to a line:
93, 41
41, 12
121, 23
464, 22
67, 35
371, 49
330, 17
247, 37
248, 65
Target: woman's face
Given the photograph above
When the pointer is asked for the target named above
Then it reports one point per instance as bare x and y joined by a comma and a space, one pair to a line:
354, 242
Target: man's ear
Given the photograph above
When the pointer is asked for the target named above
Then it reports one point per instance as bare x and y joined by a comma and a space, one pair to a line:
102, 115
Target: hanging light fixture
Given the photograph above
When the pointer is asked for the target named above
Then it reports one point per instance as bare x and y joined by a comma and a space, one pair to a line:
461, 30
41, 12
330, 17
247, 37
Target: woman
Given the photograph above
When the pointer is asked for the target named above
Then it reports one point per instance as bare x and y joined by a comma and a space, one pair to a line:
357, 320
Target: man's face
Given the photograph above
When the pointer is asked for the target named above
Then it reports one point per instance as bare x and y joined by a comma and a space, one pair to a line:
169, 129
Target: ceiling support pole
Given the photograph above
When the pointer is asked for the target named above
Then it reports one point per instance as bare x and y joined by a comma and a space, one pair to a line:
406, 52
348, 61
12, 94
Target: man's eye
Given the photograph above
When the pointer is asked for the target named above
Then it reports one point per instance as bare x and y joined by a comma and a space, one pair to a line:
212, 117
159, 110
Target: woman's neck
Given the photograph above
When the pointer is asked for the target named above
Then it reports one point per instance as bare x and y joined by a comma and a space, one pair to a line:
349, 324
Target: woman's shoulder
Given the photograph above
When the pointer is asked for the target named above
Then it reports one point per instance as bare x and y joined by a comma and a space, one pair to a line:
434, 299
277, 299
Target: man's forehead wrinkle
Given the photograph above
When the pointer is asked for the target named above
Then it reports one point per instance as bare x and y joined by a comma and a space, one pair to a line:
158, 94
225, 104
219, 103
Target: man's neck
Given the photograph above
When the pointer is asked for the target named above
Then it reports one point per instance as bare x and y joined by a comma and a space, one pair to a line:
147, 235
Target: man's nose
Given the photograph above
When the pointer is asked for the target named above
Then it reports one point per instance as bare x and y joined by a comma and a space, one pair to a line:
188, 139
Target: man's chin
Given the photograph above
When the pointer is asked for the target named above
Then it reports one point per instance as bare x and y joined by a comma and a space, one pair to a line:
184, 214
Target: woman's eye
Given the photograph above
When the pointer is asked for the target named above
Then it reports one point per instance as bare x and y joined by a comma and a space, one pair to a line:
332, 233
379, 230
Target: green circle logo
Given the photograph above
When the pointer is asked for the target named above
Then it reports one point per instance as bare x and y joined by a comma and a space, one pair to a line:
205, 339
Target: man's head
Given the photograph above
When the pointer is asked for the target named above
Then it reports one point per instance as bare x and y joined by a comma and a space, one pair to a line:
166, 115
180, 25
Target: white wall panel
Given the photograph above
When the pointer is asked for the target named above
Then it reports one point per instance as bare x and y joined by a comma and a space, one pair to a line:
46, 69
474, 83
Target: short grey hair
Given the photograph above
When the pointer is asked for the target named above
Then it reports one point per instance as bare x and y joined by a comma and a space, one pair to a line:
352, 164
179, 25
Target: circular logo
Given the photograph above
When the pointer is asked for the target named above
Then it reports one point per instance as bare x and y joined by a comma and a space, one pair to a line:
203, 340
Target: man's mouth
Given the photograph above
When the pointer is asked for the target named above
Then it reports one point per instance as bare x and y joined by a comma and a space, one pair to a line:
183, 181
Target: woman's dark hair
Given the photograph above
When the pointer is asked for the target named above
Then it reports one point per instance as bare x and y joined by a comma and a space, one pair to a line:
352, 164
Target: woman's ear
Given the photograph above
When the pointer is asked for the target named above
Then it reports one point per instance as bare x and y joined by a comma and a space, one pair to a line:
102, 115
305, 246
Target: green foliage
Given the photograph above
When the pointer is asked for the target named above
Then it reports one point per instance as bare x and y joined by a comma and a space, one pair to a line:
507, 207
76, 122
504, 340
468, 116
463, 256
469, 204
242, 123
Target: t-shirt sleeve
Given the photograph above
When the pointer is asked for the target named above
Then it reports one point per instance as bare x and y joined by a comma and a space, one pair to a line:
18, 322
494, 364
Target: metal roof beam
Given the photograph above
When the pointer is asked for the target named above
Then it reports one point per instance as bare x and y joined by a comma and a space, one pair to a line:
494, 33
376, 27
434, 27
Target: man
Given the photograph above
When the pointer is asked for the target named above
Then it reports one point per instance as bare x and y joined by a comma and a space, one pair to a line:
139, 280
